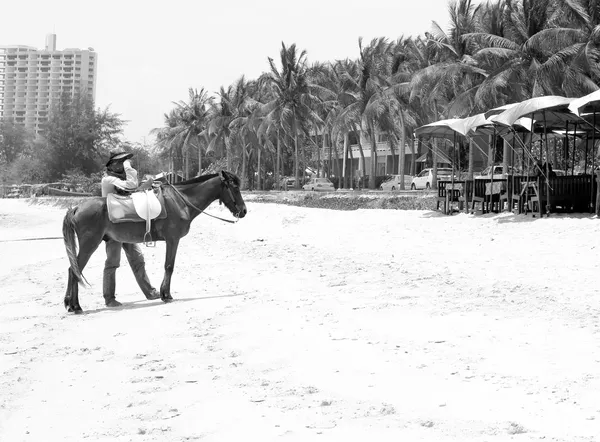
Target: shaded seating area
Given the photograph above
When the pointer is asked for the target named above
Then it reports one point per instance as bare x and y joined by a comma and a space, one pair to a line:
527, 183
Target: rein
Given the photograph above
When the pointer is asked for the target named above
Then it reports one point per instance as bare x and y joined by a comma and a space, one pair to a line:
187, 202
31, 239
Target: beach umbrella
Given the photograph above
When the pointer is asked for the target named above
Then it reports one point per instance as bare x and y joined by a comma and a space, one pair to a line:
498, 110
584, 107
550, 111
587, 104
548, 108
445, 129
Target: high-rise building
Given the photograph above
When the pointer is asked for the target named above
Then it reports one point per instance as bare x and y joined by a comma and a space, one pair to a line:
31, 79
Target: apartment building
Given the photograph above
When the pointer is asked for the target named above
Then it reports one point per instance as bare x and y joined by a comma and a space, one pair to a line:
31, 79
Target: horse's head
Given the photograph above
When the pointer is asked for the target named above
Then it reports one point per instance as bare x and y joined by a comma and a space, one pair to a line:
231, 195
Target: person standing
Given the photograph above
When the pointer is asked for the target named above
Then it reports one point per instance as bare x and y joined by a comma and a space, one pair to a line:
121, 177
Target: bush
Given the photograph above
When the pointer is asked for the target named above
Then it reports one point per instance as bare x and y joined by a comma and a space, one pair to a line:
352, 201
78, 182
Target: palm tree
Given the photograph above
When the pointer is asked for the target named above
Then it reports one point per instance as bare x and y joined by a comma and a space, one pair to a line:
360, 85
193, 119
167, 137
292, 100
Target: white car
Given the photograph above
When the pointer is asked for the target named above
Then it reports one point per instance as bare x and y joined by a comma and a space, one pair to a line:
393, 183
425, 178
319, 184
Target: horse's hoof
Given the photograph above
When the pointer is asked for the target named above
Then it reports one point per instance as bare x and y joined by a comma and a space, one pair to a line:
76, 310
167, 298
154, 294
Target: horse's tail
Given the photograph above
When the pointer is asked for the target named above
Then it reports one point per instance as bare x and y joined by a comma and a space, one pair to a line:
70, 246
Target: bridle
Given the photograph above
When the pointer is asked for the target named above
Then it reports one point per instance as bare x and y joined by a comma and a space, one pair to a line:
224, 183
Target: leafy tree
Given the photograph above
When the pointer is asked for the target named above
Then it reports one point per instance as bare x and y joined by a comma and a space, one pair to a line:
15, 140
78, 137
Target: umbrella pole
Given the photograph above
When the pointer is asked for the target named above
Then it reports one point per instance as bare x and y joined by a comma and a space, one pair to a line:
451, 200
512, 172
566, 149
548, 204
490, 206
574, 146
593, 162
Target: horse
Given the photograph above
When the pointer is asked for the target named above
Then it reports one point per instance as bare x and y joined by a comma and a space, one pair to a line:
183, 202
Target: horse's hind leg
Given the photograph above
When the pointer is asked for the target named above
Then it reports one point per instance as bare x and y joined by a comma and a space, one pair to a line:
87, 247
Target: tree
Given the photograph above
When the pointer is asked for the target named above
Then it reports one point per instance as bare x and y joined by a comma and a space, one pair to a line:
193, 118
15, 140
294, 102
78, 137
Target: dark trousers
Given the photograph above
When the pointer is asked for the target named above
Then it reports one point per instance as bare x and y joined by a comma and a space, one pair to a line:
134, 255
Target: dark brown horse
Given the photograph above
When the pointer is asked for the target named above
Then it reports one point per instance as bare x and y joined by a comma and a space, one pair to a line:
183, 201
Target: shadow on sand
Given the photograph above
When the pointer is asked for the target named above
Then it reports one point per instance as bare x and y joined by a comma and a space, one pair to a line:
145, 303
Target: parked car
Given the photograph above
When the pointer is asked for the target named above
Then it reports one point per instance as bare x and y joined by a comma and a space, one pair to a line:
498, 175
425, 178
285, 184
393, 183
319, 184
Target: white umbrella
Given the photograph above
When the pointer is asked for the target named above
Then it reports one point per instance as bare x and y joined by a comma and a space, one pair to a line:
587, 104
550, 108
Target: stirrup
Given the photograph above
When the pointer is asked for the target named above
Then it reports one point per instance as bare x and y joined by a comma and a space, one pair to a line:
149, 243
148, 224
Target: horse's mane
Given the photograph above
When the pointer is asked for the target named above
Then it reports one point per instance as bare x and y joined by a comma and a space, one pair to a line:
202, 178
198, 179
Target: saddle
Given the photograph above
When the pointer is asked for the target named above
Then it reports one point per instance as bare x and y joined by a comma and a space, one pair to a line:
144, 205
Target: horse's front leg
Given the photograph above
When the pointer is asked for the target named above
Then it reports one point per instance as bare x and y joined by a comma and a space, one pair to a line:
165, 287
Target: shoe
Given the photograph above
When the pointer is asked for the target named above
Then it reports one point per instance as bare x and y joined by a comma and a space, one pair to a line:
113, 303
154, 294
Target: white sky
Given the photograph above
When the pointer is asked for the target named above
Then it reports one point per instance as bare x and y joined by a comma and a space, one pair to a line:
150, 53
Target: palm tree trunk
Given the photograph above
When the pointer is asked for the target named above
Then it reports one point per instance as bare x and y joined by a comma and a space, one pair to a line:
391, 145
337, 165
319, 156
345, 160
402, 159
258, 177
373, 156
277, 169
360, 149
187, 163
471, 160
304, 163
329, 165
296, 162
413, 169
350, 164
228, 153
199, 159
435, 163
491, 139
244, 166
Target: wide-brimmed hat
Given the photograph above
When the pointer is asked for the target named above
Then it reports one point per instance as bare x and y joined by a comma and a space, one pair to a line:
119, 156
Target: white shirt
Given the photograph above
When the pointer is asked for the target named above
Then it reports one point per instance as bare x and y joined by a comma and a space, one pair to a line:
130, 183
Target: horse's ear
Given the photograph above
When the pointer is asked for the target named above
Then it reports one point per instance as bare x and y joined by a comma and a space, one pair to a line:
223, 175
